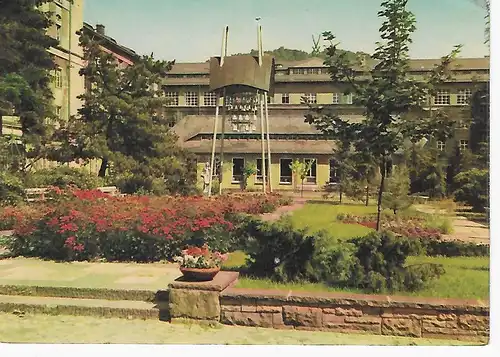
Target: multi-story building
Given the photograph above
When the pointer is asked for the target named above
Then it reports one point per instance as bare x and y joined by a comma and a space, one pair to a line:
68, 55
187, 85
67, 84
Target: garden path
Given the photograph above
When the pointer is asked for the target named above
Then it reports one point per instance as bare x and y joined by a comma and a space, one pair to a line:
298, 202
463, 228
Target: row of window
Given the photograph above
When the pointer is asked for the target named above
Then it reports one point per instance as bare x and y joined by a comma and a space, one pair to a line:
443, 97
285, 168
286, 174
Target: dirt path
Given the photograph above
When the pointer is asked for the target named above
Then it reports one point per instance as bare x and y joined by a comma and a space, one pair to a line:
274, 216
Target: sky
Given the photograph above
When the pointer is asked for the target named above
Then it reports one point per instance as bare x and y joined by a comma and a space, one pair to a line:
191, 30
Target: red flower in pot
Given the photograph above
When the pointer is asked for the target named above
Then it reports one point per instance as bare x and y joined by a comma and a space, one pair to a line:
199, 263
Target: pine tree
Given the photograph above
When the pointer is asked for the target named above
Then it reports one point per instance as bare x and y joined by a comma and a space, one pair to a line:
121, 123
25, 72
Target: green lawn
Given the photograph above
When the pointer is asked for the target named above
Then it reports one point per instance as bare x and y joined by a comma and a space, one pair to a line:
323, 216
79, 329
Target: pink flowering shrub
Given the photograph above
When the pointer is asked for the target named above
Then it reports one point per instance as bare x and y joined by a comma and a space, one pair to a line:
88, 224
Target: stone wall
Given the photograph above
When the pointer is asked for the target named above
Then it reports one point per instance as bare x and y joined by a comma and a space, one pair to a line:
351, 313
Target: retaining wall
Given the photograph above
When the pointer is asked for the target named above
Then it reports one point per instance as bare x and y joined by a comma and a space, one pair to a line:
349, 313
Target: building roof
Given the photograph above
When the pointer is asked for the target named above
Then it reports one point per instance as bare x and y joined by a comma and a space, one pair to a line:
110, 42
190, 127
482, 63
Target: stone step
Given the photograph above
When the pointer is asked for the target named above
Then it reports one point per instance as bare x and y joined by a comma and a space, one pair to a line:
85, 293
83, 307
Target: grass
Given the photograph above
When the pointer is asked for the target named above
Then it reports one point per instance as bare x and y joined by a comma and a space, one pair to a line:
323, 216
78, 329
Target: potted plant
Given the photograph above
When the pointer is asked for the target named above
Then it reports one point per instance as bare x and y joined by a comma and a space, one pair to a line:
200, 264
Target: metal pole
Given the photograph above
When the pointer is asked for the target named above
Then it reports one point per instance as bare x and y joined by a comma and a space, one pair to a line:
262, 129
223, 130
212, 160
268, 144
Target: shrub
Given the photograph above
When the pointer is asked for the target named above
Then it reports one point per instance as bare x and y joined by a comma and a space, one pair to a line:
278, 251
381, 261
11, 189
63, 177
436, 247
473, 188
82, 225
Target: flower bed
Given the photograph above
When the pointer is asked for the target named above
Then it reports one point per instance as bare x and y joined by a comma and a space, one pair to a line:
411, 227
82, 224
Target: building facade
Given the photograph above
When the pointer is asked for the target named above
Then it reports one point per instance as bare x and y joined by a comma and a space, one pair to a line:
187, 87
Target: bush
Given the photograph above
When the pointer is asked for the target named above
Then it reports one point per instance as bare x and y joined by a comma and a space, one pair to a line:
373, 263
381, 264
436, 247
278, 251
11, 189
63, 177
82, 225
473, 189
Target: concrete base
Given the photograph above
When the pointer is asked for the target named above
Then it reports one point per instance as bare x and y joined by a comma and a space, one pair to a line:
199, 300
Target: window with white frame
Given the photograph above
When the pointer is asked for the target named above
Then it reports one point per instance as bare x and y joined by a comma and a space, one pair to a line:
270, 99
258, 176
464, 144
285, 98
336, 98
209, 99
286, 171
173, 98
311, 98
348, 98
59, 112
191, 99
58, 78
463, 96
442, 97
311, 172
238, 169
440, 145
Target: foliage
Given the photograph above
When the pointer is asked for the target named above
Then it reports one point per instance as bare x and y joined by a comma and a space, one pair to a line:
396, 196
63, 177
393, 101
248, 171
300, 169
473, 189
25, 75
11, 189
381, 264
287, 54
200, 258
436, 247
81, 225
278, 250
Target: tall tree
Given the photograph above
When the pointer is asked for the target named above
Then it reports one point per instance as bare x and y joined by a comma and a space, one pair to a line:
121, 123
393, 101
25, 73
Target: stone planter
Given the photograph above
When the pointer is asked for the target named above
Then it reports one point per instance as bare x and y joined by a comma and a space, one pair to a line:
194, 274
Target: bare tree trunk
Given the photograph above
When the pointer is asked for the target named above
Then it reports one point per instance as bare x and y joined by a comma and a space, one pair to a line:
380, 192
367, 194
103, 168
302, 189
